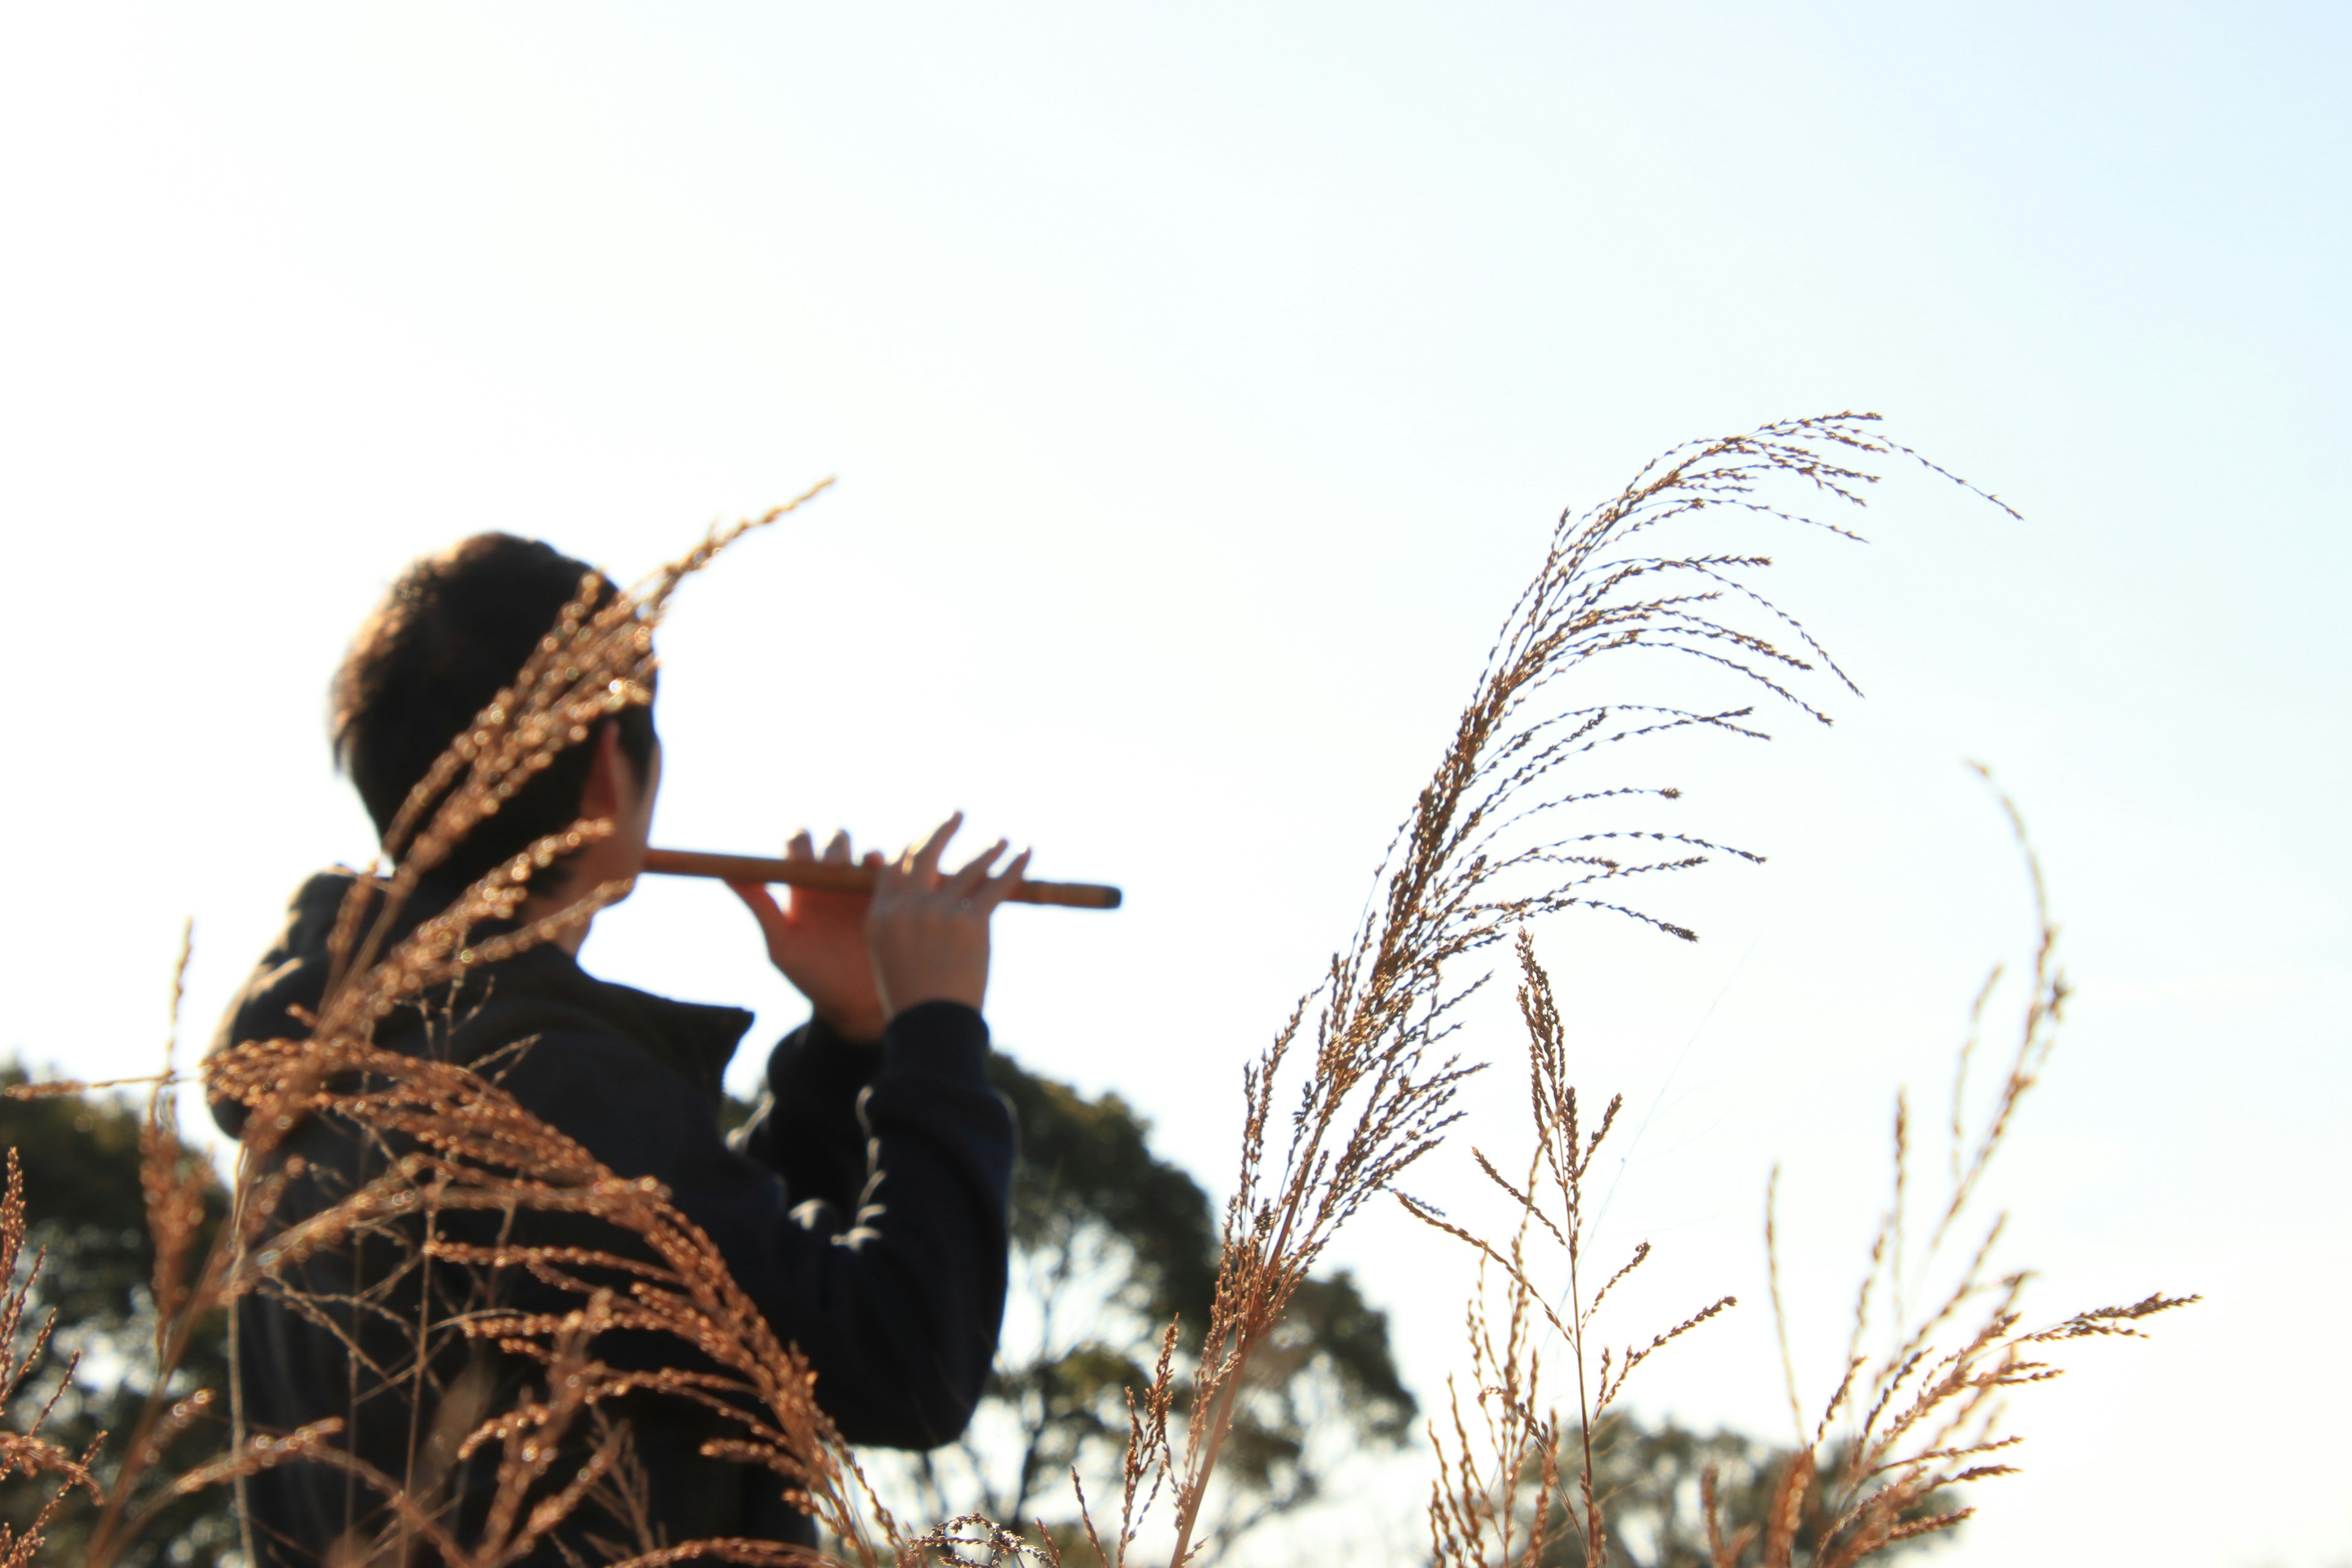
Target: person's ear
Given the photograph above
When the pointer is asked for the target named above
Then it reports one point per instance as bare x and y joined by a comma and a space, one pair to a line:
610, 786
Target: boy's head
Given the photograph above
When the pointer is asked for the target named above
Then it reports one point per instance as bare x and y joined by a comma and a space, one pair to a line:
455, 629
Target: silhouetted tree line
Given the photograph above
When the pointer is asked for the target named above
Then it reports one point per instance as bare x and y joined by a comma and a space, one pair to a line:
1111, 1243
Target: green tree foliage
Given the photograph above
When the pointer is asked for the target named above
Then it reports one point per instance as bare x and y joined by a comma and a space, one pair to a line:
88, 1217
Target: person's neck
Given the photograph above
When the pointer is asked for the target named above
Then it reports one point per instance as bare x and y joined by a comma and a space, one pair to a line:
539, 906
616, 856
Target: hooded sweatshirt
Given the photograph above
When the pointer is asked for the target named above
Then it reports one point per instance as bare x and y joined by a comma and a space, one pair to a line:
862, 1209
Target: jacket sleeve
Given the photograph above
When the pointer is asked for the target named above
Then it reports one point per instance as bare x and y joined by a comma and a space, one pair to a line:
807, 1131
896, 1296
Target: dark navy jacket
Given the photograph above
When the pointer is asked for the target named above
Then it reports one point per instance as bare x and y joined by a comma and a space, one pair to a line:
862, 1209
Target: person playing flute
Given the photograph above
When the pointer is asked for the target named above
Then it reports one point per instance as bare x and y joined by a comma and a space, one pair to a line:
863, 1207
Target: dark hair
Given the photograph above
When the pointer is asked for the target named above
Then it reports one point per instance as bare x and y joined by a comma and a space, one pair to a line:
455, 629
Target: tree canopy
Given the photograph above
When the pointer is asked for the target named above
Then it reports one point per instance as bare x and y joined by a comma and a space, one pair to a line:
1110, 1244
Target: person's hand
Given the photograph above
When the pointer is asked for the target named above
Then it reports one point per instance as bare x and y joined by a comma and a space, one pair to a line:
819, 941
928, 932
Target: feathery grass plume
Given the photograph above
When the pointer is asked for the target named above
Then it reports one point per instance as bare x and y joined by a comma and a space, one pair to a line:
171, 1176
1479, 854
453, 1143
952, 1542
1481, 1511
177, 1194
1921, 1417
469, 1147
1926, 1412
27, 1451
593, 662
174, 1180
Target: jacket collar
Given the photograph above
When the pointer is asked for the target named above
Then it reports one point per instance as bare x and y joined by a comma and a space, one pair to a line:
541, 989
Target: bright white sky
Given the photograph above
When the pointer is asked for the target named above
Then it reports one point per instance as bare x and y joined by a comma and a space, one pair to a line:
1202, 386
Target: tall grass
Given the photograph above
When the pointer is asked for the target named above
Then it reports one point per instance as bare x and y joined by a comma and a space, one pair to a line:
1357, 1086
1918, 1414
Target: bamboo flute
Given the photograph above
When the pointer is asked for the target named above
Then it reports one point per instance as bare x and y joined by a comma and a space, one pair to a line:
834, 877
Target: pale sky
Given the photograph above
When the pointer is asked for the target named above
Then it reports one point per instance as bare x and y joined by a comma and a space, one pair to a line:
1202, 384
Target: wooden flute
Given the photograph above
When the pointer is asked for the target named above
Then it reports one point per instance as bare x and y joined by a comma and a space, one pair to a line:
834, 877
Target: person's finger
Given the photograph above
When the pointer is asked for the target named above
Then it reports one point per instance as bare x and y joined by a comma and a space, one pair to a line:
923, 861
974, 871
893, 874
759, 902
999, 888
836, 849
801, 848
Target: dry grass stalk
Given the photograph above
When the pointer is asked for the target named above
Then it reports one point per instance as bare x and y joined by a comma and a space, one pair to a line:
1478, 856
1496, 1494
471, 1147
1920, 1418
171, 1178
1926, 1413
592, 663
952, 1543
459, 1145
27, 1451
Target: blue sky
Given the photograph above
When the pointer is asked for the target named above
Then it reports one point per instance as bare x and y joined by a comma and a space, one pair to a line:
1202, 386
